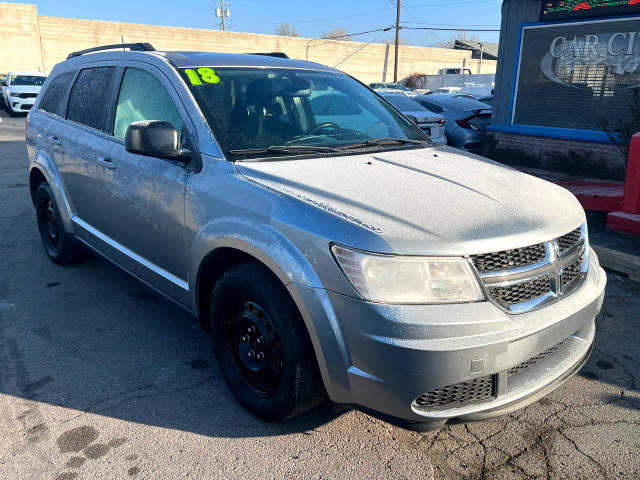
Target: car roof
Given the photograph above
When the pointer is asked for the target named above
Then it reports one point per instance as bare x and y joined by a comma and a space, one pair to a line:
201, 59
184, 59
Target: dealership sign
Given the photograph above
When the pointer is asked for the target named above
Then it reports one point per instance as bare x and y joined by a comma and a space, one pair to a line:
618, 50
569, 73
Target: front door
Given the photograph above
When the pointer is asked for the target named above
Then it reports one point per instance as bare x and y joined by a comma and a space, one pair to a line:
143, 197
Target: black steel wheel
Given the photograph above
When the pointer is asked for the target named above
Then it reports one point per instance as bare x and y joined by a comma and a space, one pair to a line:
60, 246
254, 348
262, 345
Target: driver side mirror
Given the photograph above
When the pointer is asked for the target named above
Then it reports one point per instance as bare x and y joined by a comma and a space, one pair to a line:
155, 138
4, 83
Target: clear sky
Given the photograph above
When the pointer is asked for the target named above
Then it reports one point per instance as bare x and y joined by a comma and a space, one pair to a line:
311, 18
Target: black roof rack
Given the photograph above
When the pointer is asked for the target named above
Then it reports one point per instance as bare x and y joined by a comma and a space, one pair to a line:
271, 54
134, 47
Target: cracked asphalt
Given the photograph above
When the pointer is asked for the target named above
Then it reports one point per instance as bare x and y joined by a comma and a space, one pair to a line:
102, 379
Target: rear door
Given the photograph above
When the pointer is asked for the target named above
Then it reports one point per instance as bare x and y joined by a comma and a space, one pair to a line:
82, 139
143, 197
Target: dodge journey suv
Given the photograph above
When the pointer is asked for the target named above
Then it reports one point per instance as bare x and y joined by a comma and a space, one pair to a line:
329, 252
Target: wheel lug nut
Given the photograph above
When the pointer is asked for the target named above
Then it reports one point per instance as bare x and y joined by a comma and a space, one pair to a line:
245, 339
251, 354
260, 356
260, 340
251, 329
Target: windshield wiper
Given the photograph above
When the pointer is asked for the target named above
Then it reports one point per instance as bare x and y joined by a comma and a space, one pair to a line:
376, 142
284, 149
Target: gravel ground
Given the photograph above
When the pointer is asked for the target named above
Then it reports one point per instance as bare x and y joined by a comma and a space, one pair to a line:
102, 379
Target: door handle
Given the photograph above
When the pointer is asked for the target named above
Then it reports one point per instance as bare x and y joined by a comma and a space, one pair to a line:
54, 140
107, 163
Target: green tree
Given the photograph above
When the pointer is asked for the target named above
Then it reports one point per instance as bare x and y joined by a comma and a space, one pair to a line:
286, 30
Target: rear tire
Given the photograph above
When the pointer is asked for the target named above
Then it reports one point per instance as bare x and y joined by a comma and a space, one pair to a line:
61, 248
262, 345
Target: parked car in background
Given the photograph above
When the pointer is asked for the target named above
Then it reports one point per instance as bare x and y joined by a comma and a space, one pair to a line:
488, 99
393, 88
465, 118
20, 89
445, 90
454, 71
429, 122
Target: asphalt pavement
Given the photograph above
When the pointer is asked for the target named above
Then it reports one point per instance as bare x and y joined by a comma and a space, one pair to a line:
100, 378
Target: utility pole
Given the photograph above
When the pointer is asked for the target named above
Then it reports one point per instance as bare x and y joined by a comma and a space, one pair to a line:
395, 62
221, 12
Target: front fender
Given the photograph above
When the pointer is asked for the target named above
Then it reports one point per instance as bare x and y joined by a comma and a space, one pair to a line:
261, 241
47, 168
289, 264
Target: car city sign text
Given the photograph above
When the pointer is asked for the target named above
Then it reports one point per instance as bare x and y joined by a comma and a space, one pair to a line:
620, 51
619, 43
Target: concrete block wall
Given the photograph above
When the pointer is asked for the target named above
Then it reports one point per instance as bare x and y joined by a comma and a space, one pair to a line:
367, 62
20, 38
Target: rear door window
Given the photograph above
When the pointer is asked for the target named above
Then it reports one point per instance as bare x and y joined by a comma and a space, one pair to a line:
143, 97
53, 97
89, 97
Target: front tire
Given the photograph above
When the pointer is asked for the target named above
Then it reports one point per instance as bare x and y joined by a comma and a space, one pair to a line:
61, 248
262, 345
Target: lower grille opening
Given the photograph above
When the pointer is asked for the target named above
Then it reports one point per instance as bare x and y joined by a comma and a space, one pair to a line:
533, 360
459, 394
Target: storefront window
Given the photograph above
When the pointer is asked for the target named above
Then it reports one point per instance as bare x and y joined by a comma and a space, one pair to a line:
572, 74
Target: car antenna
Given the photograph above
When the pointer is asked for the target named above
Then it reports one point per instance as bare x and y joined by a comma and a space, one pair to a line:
122, 40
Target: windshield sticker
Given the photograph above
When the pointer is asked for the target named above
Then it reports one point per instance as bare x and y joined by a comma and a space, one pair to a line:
202, 76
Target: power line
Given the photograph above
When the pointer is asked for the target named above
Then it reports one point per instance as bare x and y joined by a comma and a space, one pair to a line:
452, 29
385, 29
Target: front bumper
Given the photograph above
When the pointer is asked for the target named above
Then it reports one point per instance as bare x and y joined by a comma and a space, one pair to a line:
21, 104
381, 358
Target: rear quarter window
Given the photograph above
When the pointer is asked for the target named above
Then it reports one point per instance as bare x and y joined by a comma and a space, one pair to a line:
431, 106
55, 94
89, 97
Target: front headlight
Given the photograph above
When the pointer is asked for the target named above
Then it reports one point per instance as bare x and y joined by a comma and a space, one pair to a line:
408, 280
11, 93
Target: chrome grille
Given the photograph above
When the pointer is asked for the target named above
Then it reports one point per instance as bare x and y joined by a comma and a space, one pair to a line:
526, 278
569, 241
462, 393
507, 259
571, 272
521, 292
533, 360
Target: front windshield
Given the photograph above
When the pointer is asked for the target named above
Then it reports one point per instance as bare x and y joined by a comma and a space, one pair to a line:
403, 103
257, 108
36, 80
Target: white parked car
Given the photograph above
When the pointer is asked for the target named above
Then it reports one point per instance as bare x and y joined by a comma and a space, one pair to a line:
20, 89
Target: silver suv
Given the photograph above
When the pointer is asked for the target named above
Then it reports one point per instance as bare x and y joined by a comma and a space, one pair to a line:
328, 247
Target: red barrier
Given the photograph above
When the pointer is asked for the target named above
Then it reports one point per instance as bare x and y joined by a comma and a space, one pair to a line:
628, 220
631, 203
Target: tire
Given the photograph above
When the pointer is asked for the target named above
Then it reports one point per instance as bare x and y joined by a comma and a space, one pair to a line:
286, 381
61, 248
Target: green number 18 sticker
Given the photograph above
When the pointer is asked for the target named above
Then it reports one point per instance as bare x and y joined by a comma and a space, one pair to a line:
206, 75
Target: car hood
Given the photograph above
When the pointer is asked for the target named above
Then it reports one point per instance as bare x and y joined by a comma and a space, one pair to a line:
25, 88
436, 201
